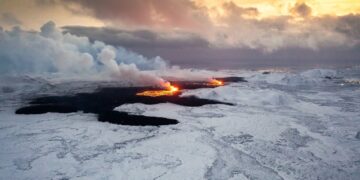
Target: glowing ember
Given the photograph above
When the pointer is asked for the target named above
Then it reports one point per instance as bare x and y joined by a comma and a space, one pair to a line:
214, 82
170, 91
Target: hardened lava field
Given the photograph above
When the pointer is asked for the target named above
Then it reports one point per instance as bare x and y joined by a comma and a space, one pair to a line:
103, 101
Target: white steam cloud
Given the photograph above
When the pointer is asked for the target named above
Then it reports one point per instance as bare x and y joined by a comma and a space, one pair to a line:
51, 51
130, 71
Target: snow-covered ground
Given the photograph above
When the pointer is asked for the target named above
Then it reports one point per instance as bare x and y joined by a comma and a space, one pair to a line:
284, 125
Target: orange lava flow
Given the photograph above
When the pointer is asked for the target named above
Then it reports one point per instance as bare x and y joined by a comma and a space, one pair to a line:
170, 91
214, 82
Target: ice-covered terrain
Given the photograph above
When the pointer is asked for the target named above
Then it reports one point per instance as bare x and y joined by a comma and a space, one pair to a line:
303, 125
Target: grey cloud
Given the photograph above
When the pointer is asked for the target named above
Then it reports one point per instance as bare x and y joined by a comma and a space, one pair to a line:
47, 2
301, 9
281, 32
274, 33
150, 25
237, 29
140, 38
204, 56
277, 41
236, 10
169, 13
9, 19
349, 25
297, 58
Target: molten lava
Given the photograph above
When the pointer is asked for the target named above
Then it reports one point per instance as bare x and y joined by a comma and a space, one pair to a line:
215, 82
169, 91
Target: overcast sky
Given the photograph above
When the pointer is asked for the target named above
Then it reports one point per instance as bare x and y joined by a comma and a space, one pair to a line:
207, 33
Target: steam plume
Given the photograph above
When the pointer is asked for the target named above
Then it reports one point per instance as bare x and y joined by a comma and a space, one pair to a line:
51, 51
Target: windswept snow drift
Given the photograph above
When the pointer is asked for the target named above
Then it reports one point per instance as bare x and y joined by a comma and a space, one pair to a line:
283, 126
307, 78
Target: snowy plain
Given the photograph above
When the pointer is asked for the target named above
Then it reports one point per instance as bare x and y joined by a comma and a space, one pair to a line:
284, 125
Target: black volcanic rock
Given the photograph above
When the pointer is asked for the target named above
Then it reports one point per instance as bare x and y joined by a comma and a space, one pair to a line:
357, 136
232, 79
202, 84
41, 109
124, 118
328, 77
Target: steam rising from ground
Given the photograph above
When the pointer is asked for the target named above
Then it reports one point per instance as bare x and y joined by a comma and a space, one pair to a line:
51, 51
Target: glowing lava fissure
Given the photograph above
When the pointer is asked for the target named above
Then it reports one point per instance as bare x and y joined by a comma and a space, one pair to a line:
215, 82
169, 91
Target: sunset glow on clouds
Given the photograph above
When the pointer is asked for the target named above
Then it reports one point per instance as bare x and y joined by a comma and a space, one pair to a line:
264, 25
281, 7
155, 12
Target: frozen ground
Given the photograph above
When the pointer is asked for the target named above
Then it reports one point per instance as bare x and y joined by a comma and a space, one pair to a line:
284, 126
